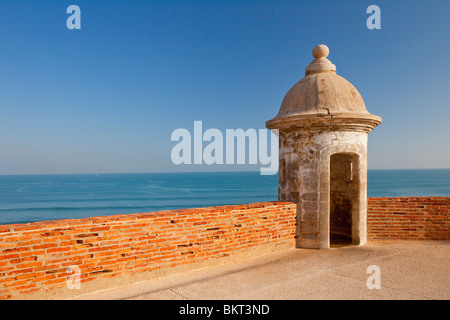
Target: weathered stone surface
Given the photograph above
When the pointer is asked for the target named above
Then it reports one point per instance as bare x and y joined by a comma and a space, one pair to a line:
323, 127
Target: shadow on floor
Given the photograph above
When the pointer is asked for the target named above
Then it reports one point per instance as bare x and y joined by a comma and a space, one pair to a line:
339, 240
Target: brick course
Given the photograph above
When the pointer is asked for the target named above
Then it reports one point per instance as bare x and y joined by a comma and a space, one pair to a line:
35, 257
409, 218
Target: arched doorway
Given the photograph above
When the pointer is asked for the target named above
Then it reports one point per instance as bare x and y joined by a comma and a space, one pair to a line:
344, 199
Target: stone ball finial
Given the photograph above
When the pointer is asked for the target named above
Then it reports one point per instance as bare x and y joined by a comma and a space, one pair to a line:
320, 51
320, 63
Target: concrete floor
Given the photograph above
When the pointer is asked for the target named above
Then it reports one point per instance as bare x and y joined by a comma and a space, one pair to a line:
412, 270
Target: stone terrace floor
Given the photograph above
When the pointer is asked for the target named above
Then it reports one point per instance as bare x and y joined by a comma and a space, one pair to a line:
409, 270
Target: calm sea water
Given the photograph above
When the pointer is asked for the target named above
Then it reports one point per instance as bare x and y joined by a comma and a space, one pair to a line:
28, 198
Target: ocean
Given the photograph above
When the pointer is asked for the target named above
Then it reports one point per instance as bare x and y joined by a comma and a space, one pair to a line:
29, 198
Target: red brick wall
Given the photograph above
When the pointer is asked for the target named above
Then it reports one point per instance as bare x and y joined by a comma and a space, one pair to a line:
409, 218
36, 256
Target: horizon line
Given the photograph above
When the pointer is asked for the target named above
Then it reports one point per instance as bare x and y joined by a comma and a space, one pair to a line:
175, 172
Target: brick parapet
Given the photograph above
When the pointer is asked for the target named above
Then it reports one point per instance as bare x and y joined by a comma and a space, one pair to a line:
409, 218
34, 257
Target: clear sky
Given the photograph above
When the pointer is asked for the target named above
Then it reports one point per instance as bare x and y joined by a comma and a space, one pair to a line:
106, 98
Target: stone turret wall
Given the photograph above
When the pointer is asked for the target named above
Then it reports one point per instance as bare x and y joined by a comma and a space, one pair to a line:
304, 177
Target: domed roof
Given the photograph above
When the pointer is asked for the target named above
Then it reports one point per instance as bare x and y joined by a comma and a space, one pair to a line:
321, 93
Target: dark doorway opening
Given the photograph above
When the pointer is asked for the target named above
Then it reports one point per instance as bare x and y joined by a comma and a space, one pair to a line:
342, 186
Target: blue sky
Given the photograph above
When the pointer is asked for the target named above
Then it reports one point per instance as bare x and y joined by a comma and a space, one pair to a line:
106, 98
